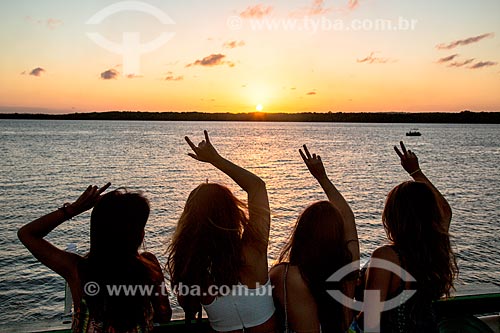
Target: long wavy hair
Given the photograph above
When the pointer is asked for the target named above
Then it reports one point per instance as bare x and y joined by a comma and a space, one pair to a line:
318, 248
206, 248
116, 232
414, 224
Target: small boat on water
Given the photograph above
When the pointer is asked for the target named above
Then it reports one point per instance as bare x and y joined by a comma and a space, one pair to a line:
413, 132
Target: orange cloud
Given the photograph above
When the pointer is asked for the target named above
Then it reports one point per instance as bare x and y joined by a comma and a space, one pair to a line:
371, 59
110, 74
353, 4
133, 76
463, 42
257, 11
461, 63
447, 59
171, 77
317, 7
212, 60
233, 44
482, 64
37, 71
50, 23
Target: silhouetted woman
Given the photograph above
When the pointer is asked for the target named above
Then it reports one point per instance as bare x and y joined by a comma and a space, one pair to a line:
323, 241
116, 233
416, 219
221, 250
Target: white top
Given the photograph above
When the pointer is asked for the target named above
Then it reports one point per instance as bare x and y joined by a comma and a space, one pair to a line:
241, 308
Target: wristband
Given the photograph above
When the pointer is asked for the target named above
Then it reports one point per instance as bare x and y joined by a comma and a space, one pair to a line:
414, 172
64, 210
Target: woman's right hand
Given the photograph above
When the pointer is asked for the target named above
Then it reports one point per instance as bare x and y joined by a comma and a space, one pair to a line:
86, 200
204, 152
409, 160
313, 163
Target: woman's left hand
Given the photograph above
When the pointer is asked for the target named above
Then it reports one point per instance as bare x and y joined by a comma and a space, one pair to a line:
87, 199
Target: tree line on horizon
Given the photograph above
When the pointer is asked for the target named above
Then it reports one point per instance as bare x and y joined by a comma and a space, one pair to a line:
360, 117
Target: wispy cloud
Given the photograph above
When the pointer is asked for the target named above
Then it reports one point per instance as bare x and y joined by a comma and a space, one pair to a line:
50, 23
465, 63
133, 76
371, 59
110, 74
447, 59
317, 7
171, 77
257, 11
353, 4
35, 72
481, 64
461, 63
233, 44
311, 93
212, 60
463, 42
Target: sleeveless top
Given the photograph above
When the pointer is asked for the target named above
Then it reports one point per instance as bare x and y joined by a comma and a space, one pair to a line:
84, 323
414, 315
241, 308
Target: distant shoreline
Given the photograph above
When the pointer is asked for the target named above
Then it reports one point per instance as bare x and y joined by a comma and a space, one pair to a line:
464, 117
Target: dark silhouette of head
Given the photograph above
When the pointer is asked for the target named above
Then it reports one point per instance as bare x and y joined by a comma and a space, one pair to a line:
116, 232
319, 248
413, 221
117, 224
206, 248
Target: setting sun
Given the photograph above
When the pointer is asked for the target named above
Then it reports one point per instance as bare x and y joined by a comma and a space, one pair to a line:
305, 56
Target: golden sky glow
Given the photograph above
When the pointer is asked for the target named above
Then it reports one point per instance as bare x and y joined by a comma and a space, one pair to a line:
232, 56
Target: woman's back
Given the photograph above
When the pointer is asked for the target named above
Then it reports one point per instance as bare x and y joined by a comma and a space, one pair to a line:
296, 305
112, 308
414, 314
323, 241
116, 232
217, 247
416, 218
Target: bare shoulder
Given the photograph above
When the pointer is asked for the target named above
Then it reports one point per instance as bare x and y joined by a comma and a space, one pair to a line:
150, 257
386, 252
295, 282
294, 279
276, 273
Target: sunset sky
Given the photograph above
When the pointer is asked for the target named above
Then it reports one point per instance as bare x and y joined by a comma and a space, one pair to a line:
231, 56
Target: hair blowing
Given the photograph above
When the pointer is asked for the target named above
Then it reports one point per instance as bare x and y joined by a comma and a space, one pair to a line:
319, 248
414, 223
206, 248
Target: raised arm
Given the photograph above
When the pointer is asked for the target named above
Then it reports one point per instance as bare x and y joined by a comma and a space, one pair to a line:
258, 203
409, 161
32, 234
316, 168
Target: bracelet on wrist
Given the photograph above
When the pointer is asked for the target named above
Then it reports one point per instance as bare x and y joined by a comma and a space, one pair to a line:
414, 172
66, 213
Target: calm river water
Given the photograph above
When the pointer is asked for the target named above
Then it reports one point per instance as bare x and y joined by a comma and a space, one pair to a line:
46, 163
